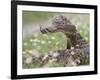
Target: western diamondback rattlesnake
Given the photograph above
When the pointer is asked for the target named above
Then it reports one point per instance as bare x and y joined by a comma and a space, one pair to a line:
80, 47
76, 53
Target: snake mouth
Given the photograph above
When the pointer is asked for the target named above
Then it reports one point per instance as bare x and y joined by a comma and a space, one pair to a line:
53, 30
67, 30
45, 30
48, 30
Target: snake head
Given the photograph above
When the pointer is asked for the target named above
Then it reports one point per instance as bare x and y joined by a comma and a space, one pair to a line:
59, 24
48, 30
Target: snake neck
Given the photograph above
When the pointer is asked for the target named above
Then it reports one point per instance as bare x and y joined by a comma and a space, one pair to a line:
75, 40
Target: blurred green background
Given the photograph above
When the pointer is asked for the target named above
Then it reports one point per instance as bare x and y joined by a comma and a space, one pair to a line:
44, 43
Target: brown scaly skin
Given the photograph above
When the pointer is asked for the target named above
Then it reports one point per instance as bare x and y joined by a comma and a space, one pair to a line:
68, 29
62, 24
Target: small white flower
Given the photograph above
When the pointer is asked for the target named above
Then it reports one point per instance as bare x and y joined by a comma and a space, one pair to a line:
80, 31
45, 35
34, 44
72, 63
26, 56
43, 42
24, 52
49, 42
31, 40
28, 60
25, 44
55, 54
35, 40
35, 54
86, 38
30, 51
53, 38
52, 60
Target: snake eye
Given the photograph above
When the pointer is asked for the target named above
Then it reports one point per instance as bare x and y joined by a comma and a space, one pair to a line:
43, 31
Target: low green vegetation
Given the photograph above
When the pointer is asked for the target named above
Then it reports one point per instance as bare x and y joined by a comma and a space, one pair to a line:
43, 43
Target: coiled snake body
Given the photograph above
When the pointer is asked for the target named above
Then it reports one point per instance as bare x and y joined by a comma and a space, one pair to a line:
77, 52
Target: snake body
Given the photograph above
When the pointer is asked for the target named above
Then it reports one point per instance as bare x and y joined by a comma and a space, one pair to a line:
78, 50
